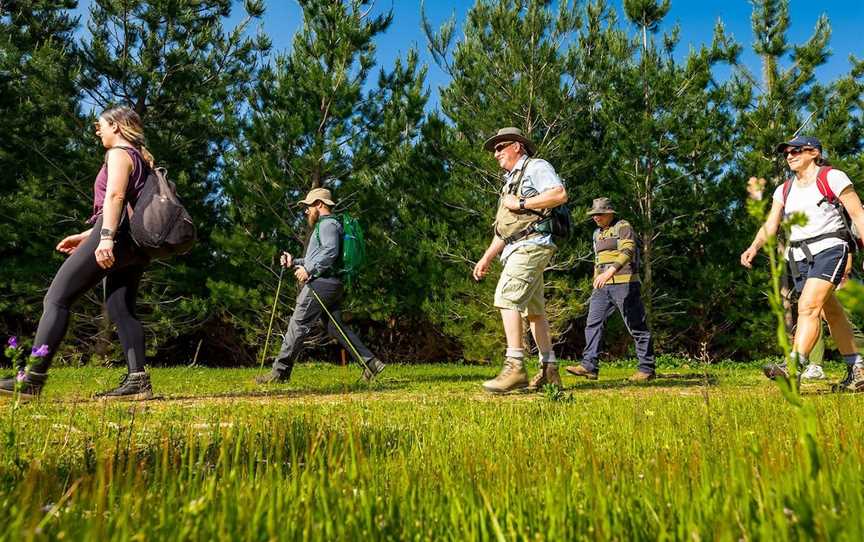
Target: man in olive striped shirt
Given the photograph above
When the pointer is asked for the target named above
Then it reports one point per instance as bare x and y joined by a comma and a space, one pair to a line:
616, 285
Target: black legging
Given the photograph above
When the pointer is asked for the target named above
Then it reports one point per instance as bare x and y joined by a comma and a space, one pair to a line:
78, 274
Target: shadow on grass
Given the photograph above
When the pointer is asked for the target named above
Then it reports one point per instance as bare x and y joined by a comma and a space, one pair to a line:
395, 382
663, 380
298, 391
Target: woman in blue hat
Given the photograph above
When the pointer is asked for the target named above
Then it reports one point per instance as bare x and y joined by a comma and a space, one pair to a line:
817, 251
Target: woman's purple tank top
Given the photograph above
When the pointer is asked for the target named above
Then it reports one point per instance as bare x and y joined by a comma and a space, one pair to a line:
140, 171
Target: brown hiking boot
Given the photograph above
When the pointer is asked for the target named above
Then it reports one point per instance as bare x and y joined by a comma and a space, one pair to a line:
856, 383
548, 374
579, 370
640, 376
511, 378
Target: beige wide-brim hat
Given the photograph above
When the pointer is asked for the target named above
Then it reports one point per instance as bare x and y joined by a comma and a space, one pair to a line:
601, 206
510, 133
318, 194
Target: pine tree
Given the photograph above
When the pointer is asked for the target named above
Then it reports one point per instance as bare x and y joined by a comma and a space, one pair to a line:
42, 193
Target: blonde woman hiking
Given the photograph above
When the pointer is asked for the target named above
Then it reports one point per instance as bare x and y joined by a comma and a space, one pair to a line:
105, 251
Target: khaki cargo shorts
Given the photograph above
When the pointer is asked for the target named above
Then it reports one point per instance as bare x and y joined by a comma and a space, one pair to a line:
520, 287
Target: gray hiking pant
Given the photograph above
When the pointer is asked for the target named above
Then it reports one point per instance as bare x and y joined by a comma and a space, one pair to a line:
627, 298
307, 312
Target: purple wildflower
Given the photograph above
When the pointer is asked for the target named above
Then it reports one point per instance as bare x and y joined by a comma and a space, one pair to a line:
20, 376
40, 352
12, 342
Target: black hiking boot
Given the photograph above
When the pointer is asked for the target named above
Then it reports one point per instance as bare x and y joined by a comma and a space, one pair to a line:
25, 385
274, 376
133, 387
372, 368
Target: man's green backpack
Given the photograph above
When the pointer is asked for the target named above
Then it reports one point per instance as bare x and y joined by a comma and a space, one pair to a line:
352, 255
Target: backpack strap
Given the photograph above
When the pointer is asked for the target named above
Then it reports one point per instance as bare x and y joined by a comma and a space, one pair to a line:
128, 210
518, 184
787, 187
318, 225
823, 186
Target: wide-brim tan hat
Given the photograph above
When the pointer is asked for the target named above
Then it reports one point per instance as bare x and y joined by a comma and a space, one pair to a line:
601, 206
510, 133
318, 194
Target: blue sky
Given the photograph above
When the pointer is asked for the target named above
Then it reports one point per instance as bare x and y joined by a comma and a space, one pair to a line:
696, 18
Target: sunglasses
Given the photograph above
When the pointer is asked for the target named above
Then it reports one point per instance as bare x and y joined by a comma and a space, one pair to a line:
501, 146
795, 151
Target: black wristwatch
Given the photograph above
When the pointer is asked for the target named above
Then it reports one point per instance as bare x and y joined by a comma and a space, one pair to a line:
521, 204
106, 233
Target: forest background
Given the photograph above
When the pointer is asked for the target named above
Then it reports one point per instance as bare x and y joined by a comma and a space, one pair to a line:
245, 129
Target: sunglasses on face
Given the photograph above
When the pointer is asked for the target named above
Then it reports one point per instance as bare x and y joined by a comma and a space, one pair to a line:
501, 146
795, 151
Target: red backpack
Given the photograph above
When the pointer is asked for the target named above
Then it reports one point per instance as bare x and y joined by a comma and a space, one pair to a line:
829, 197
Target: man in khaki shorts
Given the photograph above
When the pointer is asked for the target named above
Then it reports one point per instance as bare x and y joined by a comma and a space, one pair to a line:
523, 239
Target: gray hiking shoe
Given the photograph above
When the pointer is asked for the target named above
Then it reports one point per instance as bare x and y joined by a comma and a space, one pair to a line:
511, 378
133, 387
372, 369
274, 376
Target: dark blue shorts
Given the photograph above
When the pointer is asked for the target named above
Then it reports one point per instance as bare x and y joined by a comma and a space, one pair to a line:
827, 265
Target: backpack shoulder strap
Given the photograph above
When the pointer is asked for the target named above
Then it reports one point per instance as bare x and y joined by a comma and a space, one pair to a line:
318, 225
787, 187
519, 180
824, 187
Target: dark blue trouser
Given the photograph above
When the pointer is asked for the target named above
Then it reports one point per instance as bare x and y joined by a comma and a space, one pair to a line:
627, 298
307, 313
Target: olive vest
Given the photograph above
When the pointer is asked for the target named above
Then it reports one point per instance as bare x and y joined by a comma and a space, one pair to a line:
512, 226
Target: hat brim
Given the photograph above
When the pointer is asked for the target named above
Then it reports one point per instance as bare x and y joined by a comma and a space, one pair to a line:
594, 212
307, 203
782, 146
498, 138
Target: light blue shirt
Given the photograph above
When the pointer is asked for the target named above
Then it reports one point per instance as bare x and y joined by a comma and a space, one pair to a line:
539, 177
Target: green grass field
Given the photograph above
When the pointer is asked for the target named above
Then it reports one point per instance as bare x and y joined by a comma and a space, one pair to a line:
423, 454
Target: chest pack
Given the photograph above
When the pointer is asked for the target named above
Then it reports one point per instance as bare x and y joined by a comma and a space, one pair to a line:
352, 249
513, 226
846, 233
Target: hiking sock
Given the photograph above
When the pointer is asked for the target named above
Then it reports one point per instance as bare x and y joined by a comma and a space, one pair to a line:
518, 353
852, 359
548, 357
801, 359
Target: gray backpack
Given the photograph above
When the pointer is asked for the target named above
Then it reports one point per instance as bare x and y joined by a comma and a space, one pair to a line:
159, 223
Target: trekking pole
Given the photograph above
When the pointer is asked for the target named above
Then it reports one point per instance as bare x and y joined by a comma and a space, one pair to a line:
357, 356
806, 122
272, 316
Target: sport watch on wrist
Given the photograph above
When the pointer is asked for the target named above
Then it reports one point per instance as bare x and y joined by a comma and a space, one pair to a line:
521, 204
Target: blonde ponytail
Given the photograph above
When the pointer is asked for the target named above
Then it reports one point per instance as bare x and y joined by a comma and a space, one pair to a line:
131, 128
